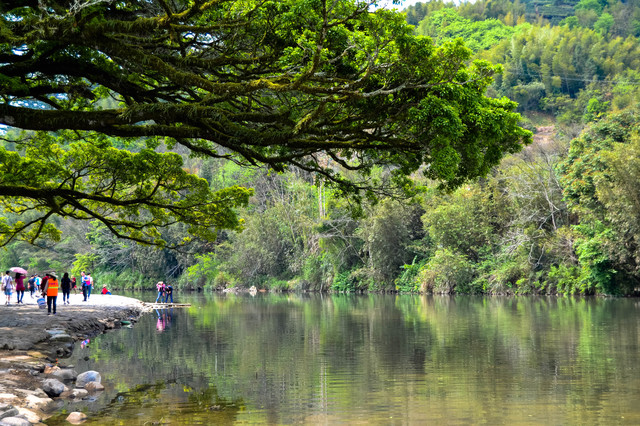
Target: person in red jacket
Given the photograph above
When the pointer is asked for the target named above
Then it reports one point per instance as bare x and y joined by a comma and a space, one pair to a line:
19, 287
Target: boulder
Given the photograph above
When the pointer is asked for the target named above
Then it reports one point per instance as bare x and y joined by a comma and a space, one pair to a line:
53, 387
7, 410
76, 418
36, 402
61, 338
66, 374
15, 421
86, 377
29, 415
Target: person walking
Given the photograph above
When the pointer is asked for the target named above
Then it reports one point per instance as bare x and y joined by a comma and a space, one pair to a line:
160, 287
19, 287
52, 293
74, 285
83, 281
32, 285
89, 285
7, 287
43, 285
65, 283
168, 291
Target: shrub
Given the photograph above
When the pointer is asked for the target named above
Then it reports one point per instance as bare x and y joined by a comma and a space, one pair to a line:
447, 272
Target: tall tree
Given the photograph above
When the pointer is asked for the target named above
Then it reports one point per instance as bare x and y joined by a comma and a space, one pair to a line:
323, 86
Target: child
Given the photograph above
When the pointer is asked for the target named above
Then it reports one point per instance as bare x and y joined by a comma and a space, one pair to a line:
7, 287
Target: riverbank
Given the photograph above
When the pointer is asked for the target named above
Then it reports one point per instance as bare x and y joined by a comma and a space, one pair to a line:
31, 340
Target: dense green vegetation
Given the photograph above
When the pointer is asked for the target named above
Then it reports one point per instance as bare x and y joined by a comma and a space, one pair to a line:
561, 217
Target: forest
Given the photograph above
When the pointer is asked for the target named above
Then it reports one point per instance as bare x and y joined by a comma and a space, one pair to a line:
560, 216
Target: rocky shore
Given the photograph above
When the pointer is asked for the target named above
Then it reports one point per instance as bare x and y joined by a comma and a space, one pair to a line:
33, 346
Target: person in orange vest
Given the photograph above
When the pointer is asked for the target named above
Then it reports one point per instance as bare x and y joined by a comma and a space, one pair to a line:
51, 291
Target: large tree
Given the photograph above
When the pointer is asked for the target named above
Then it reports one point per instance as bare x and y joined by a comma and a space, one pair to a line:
329, 87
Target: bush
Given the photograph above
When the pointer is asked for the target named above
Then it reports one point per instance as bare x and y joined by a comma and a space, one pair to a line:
356, 280
124, 280
506, 276
447, 272
408, 280
563, 279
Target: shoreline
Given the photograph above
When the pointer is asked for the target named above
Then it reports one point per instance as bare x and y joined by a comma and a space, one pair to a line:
31, 342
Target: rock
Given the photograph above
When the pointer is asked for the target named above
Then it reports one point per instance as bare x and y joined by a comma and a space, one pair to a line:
76, 418
35, 354
8, 397
7, 410
81, 393
40, 393
61, 338
14, 421
86, 377
94, 387
66, 395
53, 387
38, 403
55, 332
50, 369
66, 374
29, 415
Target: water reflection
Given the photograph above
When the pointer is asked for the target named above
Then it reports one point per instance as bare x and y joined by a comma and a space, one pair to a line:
285, 358
165, 317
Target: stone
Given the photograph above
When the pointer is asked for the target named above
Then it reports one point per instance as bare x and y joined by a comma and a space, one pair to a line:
7, 410
94, 387
40, 393
50, 369
80, 393
76, 418
53, 387
8, 397
66, 395
86, 377
38, 403
29, 415
65, 374
15, 421
61, 338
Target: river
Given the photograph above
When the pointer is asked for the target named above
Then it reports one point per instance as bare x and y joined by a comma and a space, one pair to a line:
369, 359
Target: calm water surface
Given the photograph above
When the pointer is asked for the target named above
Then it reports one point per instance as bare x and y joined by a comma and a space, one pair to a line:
381, 359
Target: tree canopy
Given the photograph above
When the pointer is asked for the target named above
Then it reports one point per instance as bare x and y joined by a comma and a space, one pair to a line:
328, 87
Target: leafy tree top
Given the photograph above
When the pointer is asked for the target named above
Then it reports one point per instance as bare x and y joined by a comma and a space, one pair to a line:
328, 87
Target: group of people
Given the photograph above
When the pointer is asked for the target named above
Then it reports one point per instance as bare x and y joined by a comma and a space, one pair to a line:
48, 287
165, 292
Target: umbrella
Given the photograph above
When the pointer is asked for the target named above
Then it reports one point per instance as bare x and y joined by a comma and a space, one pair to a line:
19, 270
